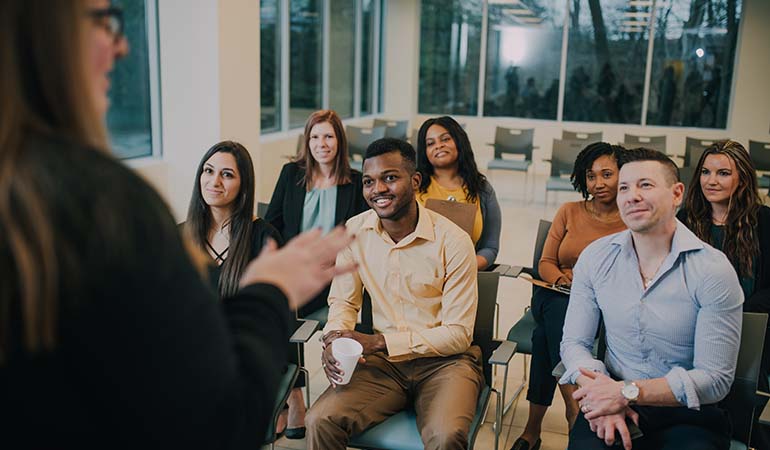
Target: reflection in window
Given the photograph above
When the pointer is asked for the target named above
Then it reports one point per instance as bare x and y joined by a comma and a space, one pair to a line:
606, 58
130, 117
270, 64
692, 64
305, 60
450, 42
342, 54
523, 59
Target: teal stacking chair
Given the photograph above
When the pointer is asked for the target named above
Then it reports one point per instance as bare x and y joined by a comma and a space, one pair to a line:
359, 139
305, 330
393, 128
399, 432
512, 141
562, 161
741, 402
654, 142
521, 332
760, 156
579, 136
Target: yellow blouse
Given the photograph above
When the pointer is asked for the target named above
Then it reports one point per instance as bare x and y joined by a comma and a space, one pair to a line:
435, 190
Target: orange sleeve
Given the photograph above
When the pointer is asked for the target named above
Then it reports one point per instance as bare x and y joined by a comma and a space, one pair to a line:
549, 261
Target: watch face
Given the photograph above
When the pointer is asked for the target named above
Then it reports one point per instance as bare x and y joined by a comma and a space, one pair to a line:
630, 391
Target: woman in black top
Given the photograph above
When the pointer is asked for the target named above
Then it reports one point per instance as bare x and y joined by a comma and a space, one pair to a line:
724, 209
108, 335
220, 219
321, 170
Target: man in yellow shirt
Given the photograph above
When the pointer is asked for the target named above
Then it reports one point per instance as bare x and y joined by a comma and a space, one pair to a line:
420, 270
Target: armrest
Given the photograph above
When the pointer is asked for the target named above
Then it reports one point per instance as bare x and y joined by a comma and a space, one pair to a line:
304, 332
503, 354
501, 269
559, 370
515, 271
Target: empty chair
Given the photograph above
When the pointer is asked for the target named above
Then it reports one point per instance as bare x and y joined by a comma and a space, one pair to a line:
760, 156
513, 141
654, 142
359, 139
693, 149
686, 174
393, 128
562, 161
586, 138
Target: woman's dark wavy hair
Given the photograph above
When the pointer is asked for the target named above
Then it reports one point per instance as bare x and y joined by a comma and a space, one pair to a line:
585, 160
199, 219
466, 162
740, 243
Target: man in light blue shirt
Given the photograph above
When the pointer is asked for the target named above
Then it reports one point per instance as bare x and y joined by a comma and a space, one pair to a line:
672, 309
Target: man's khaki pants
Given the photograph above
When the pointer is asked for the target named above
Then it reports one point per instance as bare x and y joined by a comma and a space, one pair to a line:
444, 391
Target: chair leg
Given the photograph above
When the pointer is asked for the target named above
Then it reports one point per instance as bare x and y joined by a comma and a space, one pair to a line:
519, 387
307, 386
498, 419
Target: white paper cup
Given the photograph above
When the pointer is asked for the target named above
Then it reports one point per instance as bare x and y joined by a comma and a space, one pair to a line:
347, 352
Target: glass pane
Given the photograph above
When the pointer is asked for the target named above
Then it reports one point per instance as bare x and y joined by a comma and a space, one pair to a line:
606, 61
129, 119
270, 65
692, 63
305, 61
524, 43
367, 54
342, 53
450, 43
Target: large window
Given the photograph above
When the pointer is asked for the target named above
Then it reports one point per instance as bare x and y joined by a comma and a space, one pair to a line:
134, 117
692, 64
450, 36
606, 59
318, 54
656, 62
523, 59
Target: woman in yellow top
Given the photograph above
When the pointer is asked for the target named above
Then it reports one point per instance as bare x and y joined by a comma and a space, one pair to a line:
445, 160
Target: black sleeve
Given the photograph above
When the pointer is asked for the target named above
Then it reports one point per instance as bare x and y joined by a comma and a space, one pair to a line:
358, 193
166, 362
274, 213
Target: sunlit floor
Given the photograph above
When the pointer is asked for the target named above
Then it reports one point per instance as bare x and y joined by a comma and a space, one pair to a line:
520, 218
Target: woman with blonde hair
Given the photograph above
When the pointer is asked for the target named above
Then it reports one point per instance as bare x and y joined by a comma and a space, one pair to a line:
108, 335
723, 208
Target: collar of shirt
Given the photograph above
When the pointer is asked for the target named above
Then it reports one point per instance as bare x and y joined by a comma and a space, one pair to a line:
423, 230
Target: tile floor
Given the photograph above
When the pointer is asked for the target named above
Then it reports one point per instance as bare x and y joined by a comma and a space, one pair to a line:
520, 219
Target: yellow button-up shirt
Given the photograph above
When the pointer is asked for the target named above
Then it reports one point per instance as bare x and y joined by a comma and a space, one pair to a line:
423, 288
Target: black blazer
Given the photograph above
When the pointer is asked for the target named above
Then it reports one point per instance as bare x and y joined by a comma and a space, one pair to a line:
285, 210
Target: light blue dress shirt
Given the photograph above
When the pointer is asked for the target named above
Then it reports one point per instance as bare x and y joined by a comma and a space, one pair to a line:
319, 209
685, 327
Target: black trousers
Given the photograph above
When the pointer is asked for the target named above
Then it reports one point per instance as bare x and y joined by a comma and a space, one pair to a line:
664, 429
549, 308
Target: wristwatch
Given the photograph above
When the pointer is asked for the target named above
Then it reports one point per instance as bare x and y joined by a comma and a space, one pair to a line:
630, 392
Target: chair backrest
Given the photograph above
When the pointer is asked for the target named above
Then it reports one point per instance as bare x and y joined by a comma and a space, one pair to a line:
393, 128
262, 209
741, 400
359, 138
586, 138
760, 154
413, 137
654, 142
542, 232
694, 148
685, 176
515, 141
484, 327
563, 156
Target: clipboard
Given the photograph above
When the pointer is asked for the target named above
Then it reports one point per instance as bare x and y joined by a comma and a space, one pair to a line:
516, 272
462, 214
554, 287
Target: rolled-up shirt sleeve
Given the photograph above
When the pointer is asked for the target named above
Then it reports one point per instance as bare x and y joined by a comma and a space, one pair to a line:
580, 324
345, 296
717, 340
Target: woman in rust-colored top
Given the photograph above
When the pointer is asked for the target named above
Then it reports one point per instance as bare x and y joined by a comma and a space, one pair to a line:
575, 225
